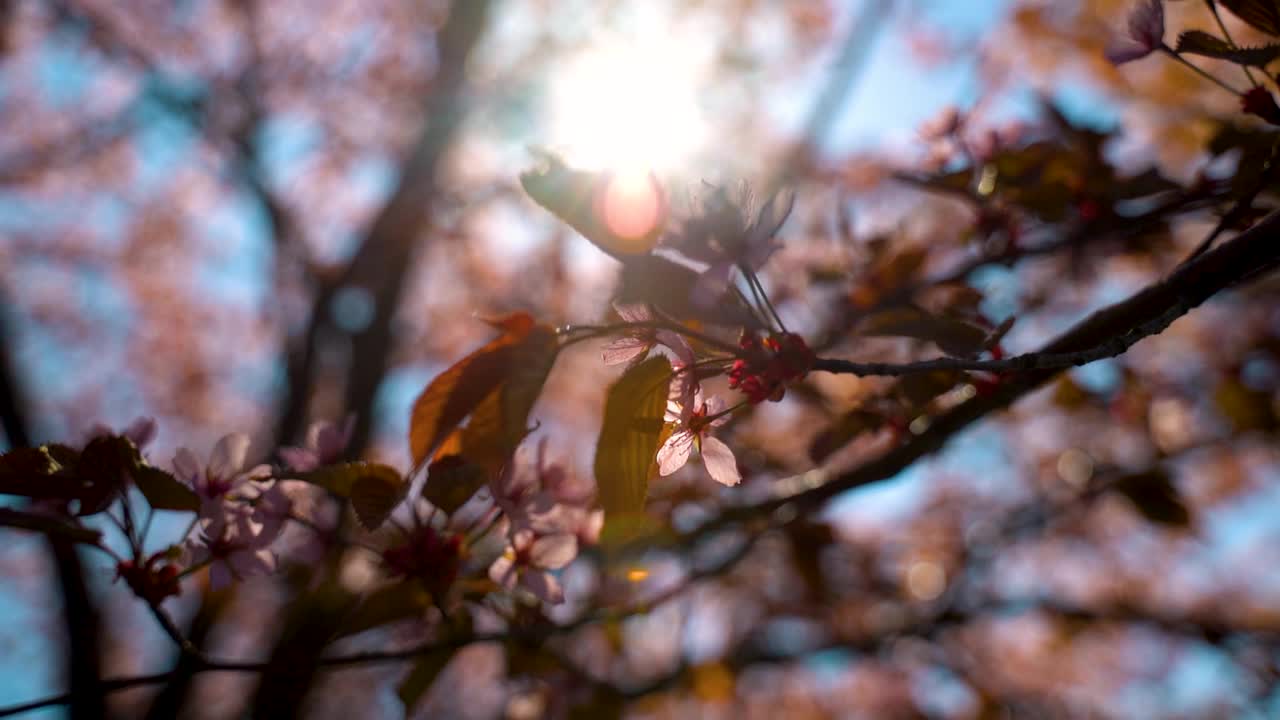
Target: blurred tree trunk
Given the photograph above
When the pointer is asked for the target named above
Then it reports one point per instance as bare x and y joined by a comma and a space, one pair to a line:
13, 407
80, 618
385, 257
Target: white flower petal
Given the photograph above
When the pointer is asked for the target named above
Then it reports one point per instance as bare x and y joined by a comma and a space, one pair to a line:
721, 464
544, 586
554, 551
228, 456
674, 453
187, 467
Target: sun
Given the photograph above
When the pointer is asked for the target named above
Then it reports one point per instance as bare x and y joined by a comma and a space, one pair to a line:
630, 106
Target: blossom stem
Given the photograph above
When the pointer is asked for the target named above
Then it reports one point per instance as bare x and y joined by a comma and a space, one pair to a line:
1198, 70
757, 289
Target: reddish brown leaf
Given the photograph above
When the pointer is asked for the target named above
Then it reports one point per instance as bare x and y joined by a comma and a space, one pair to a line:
456, 392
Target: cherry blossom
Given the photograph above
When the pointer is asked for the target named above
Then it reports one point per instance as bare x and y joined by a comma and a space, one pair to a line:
527, 559
234, 546
693, 425
221, 480
721, 233
326, 443
1145, 36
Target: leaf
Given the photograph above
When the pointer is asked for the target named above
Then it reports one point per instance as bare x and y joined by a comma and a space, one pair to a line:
163, 491
373, 488
451, 481
497, 425
629, 436
48, 525
389, 604
1263, 15
954, 337
374, 496
1245, 408
429, 666
421, 677
668, 286
1196, 42
1156, 497
456, 392
577, 197
104, 468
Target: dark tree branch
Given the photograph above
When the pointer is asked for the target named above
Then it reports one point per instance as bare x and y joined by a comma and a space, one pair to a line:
80, 618
1248, 255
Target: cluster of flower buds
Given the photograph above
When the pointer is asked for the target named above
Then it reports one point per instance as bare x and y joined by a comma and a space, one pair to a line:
153, 579
431, 556
767, 365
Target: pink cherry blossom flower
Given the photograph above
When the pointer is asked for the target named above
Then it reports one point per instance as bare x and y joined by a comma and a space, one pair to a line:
527, 560
1146, 33
326, 443
221, 480
234, 547
720, 232
693, 425
141, 432
636, 344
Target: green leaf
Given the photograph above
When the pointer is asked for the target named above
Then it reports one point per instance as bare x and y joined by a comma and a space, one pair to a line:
629, 436
389, 604
163, 491
373, 488
49, 525
1263, 15
1156, 497
1195, 42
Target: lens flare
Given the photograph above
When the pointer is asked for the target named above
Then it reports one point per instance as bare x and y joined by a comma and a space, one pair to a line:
631, 204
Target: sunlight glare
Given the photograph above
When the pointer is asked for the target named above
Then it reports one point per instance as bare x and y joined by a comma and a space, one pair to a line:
629, 107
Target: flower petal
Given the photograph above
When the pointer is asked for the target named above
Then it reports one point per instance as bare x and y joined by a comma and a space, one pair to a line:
219, 575
721, 464
228, 456
187, 466
544, 586
554, 551
633, 312
625, 350
674, 453
503, 571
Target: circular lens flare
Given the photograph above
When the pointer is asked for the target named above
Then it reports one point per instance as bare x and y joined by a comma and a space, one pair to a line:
631, 204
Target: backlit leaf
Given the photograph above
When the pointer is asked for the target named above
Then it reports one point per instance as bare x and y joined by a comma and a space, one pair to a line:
452, 480
1196, 42
374, 496
456, 392
1261, 14
630, 435
374, 489
389, 604
581, 199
